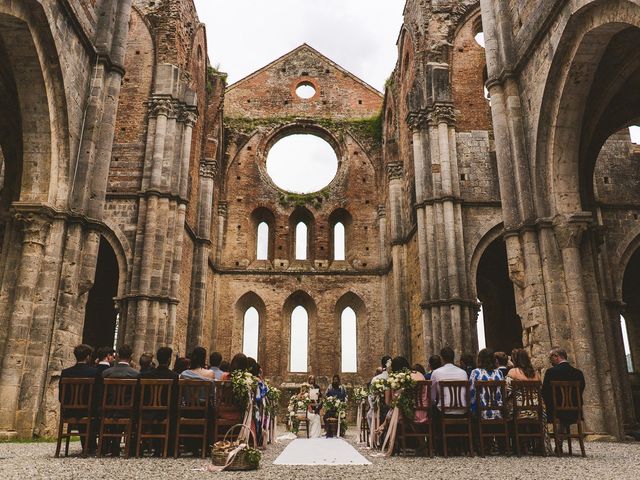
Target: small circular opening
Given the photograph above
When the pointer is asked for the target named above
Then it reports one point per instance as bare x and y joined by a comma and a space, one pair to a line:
305, 90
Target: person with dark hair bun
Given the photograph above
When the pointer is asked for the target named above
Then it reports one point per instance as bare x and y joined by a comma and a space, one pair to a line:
197, 370
487, 370
181, 364
224, 366
238, 362
435, 362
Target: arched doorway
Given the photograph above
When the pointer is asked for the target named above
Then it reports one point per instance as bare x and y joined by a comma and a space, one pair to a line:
502, 325
101, 316
631, 319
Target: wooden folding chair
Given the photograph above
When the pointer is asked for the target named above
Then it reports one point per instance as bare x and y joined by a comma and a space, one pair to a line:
364, 424
491, 396
567, 403
528, 419
154, 413
421, 426
118, 410
226, 412
192, 416
76, 411
455, 413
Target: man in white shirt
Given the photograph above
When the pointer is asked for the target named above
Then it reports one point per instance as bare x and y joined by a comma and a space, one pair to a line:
448, 372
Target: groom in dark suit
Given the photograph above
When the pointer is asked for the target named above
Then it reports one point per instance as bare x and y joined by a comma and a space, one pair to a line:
561, 371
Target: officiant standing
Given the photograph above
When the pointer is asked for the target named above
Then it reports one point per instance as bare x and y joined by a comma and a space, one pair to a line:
338, 391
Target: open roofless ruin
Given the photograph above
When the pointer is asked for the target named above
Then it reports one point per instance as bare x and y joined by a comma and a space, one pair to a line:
135, 202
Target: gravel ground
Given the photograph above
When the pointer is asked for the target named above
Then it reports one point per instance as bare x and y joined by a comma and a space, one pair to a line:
604, 461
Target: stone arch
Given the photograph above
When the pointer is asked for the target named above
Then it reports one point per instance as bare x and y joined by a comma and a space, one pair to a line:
259, 215
246, 301
299, 298
572, 107
302, 214
44, 153
628, 247
353, 300
341, 215
488, 237
120, 245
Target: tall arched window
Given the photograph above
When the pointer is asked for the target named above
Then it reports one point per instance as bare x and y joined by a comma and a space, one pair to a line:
349, 341
262, 241
250, 333
301, 241
482, 343
339, 241
299, 339
625, 342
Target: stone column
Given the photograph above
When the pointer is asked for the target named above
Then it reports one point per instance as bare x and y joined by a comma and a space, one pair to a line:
568, 231
13, 379
384, 262
401, 325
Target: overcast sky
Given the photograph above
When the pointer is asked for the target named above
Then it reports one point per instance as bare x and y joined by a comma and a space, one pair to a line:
359, 35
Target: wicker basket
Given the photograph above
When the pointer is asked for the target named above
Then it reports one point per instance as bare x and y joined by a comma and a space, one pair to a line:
240, 462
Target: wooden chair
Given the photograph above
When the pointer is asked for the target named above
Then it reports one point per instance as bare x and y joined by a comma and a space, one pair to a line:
364, 424
154, 413
303, 419
226, 412
567, 402
528, 419
118, 410
491, 396
192, 416
455, 413
422, 429
76, 411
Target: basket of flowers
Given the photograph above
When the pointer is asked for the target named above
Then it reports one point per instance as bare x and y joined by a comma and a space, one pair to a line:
337, 409
236, 455
298, 405
403, 387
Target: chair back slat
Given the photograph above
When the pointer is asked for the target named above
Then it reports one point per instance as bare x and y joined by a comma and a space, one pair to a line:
224, 395
77, 393
119, 394
423, 395
194, 395
155, 394
457, 393
490, 395
526, 398
567, 397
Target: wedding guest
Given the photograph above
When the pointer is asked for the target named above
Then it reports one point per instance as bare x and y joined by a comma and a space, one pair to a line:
522, 370
181, 364
238, 362
435, 362
467, 363
224, 366
105, 356
162, 371
447, 372
313, 385
385, 361
122, 368
215, 359
420, 369
338, 391
562, 371
503, 361
197, 369
146, 362
487, 370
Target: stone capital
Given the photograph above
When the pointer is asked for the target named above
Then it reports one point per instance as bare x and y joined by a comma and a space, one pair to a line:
417, 120
441, 114
208, 169
160, 106
395, 171
223, 209
382, 211
569, 229
35, 227
189, 118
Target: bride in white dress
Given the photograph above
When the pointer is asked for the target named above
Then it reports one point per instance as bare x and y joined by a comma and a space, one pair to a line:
312, 418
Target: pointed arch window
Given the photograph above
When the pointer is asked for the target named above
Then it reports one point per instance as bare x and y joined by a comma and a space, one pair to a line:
250, 330
301, 241
339, 241
349, 341
262, 241
299, 339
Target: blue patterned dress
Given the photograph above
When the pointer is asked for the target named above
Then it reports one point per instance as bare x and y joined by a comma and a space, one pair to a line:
480, 374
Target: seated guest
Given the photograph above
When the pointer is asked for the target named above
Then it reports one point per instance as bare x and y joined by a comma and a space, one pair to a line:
81, 369
122, 368
381, 373
197, 369
561, 371
181, 364
146, 362
448, 372
224, 366
313, 385
522, 370
487, 370
162, 371
238, 362
503, 363
420, 369
215, 359
467, 363
435, 362
105, 356
338, 391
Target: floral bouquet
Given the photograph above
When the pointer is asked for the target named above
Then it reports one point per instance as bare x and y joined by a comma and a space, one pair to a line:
244, 385
360, 394
273, 399
377, 388
334, 404
403, 386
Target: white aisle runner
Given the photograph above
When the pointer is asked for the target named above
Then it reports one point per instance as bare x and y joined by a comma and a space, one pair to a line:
320, 451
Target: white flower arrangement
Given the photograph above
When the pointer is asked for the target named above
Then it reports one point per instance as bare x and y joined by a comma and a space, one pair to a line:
244, 385
360, 394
